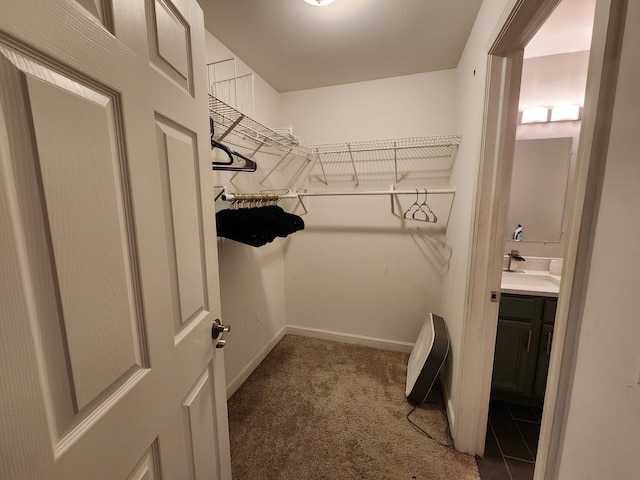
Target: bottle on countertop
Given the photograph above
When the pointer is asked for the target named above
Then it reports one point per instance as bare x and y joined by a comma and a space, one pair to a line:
517, 233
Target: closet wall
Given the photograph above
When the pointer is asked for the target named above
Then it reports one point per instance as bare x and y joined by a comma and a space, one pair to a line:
471, 81
607, 359
354, 272
359, 273
251, 279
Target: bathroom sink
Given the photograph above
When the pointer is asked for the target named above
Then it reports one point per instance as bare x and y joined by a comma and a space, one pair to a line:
530, 282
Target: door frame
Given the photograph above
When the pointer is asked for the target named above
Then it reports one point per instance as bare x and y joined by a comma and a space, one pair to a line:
494, 180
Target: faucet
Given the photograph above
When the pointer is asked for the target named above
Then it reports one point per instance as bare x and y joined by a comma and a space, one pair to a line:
514, 258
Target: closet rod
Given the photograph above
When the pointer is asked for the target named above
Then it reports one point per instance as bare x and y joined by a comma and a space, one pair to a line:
290, 194
392, 192
435, 191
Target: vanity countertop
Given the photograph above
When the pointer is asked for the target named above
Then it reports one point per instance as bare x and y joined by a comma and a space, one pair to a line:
531, 282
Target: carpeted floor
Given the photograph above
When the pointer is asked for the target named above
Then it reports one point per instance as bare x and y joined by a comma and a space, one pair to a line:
315, 409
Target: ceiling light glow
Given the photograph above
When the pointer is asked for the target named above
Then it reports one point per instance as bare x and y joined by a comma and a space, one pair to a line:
319, 3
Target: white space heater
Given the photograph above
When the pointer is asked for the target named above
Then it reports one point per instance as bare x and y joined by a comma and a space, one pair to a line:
426, 359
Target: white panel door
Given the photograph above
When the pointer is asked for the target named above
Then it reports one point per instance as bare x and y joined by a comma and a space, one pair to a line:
109, 281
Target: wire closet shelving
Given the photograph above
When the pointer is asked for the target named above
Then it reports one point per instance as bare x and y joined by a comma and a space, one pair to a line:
433, 153
229, 120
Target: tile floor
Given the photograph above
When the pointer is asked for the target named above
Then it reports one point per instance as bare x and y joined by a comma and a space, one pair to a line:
512, 440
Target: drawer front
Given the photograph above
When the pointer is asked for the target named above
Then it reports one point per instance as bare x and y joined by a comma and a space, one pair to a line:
518, 307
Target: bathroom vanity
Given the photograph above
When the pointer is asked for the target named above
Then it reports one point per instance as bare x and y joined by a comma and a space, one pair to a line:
524, 336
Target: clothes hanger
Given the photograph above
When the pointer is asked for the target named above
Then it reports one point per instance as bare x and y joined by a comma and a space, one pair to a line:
421, 210
435, 218
425, 204
249, 165
256, 221
417, 211
414, 204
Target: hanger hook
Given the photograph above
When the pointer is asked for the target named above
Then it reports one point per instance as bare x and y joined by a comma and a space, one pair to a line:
435, 218
414, 204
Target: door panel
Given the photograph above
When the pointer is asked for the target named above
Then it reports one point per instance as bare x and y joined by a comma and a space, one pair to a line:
87, 216
178, 158
513, 340
109, 283
101, 10
169, 42
199, 422
43, 307
148, 467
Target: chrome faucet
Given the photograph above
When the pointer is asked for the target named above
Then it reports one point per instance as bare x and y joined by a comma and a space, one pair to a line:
514, 258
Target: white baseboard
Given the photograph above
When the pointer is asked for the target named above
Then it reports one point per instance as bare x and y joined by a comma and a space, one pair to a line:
374, 342
451, 416
239, 379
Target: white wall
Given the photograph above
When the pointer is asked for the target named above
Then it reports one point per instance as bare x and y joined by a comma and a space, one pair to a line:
357, 270
554, 80
602, 433
266, 100
409, 106
251, 279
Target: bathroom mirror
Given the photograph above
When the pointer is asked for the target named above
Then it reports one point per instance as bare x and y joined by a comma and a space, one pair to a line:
539, 188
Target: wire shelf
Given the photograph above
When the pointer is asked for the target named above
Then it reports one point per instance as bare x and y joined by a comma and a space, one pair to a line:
229, 120
433, 153
443, 145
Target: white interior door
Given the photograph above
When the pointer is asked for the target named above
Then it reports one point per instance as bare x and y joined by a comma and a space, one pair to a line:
109, 279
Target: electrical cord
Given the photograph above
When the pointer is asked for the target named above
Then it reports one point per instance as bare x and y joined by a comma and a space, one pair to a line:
427, 434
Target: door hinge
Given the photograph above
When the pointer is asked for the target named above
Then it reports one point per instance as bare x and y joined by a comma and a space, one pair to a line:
495, 296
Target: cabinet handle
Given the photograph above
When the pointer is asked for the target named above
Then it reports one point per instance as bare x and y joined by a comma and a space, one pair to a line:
549, 343
529, 342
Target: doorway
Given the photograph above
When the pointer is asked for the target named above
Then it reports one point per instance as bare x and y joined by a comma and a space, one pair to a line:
554, 73
501, 111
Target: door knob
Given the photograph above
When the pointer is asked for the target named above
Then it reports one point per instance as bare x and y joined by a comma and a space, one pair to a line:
217, 330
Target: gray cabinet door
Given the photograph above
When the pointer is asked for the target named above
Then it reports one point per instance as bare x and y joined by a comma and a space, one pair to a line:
543, 361
512, 356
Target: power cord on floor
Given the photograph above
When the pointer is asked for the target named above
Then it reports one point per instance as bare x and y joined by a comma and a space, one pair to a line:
427, 434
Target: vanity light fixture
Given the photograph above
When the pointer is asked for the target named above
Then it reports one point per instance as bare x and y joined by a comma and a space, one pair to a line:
560, 113
535, 115
319, 3
565, 112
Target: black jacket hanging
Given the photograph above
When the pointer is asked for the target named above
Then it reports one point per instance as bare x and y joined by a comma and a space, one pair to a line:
257, 226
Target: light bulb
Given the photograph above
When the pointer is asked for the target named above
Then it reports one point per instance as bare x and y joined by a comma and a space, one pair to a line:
565, 112
535, 115
319, 3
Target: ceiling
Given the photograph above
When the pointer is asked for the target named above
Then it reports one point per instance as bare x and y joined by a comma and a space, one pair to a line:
296, 46
568, 29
